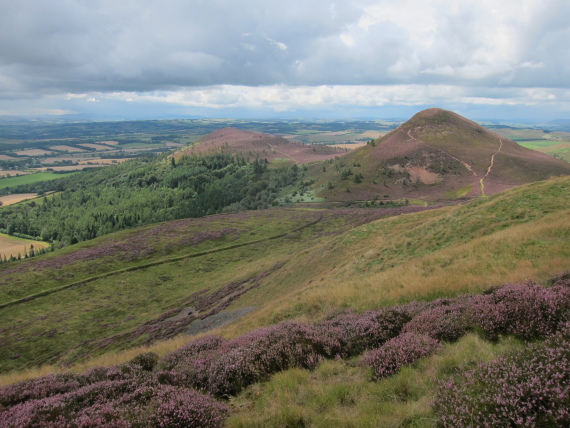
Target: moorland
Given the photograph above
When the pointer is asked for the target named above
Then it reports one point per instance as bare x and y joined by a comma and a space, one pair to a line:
420, 279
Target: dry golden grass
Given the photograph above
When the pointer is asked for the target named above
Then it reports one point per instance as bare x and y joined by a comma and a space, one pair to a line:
15, 198
69, 149
112, 358
11, 245
537, 250
33, 152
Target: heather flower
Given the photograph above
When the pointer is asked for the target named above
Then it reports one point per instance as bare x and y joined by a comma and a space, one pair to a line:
187, 408
190, 351
442, 322
528, 388
528, 311
405, 349
366, 331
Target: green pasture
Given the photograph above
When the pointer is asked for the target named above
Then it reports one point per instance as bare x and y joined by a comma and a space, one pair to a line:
29, 179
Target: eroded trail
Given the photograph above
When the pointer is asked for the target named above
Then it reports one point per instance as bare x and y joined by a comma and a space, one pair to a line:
490, 167
284, 154
465, 164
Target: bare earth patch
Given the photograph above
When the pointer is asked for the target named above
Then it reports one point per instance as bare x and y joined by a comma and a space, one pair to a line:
109, 143
5, 157
18, 197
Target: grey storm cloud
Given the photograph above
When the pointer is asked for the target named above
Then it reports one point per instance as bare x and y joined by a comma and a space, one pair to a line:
140, 46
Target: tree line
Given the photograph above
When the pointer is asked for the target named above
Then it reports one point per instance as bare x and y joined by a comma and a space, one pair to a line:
144, 191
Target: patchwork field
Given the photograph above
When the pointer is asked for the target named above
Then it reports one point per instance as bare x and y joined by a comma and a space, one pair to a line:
552, 148
15, 198
11, 245
109, 143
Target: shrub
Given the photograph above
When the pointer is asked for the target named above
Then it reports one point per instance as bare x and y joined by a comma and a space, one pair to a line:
57, 409
405, 349
189, 351
528, 311
181, 407
42, 387
528, 388
443, 321
146, 361
254, 356
369, 330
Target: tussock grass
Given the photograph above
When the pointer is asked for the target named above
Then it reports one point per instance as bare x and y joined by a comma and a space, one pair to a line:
109, 359
341, 393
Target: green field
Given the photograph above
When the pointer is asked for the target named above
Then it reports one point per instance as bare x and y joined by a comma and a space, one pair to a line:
559, 149
29, 179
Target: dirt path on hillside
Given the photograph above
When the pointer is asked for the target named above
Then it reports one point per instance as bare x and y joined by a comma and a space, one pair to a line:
490, 167
284, 154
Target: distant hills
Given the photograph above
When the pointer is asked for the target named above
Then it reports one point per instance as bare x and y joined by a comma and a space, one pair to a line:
262, 146
437, 154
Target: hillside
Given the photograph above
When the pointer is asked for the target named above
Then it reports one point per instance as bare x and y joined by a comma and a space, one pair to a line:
260, 268
115, 292
254, 145
437, 154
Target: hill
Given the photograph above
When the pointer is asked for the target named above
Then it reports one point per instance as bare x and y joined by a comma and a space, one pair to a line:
254, 145
256, 269
115, 292
437, 154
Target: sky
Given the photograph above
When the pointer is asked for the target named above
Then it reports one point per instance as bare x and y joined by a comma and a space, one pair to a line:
346, 59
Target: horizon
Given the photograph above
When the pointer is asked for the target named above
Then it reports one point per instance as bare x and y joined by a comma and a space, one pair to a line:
355, 60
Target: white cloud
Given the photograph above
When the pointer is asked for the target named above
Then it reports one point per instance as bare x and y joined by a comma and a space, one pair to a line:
270, 52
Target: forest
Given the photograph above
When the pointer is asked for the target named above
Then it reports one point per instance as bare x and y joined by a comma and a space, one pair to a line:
143, 191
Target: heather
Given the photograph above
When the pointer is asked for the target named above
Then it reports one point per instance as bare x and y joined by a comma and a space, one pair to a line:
528, 388
400, 351
178, 389
528, 311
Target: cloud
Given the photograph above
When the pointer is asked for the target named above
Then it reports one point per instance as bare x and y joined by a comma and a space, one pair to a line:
198, 49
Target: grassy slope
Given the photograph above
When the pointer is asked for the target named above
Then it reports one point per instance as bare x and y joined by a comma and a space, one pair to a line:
340, 394
513, 236
137, 279
520, 234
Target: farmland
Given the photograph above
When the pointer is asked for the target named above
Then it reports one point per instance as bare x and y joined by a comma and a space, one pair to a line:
27, 179
12, 246
15, 198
